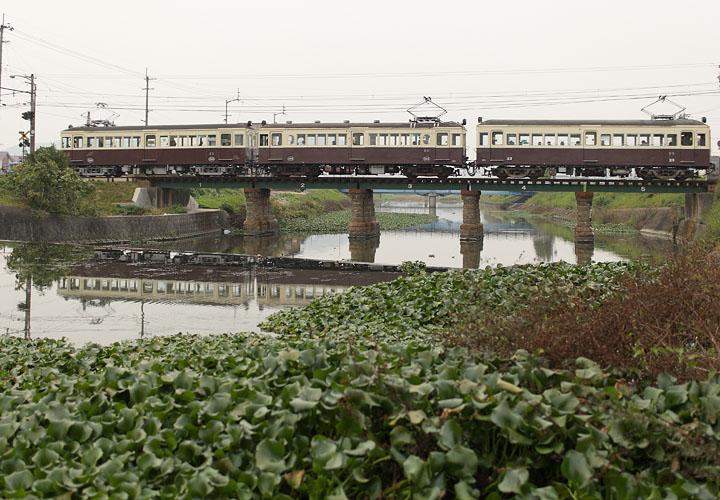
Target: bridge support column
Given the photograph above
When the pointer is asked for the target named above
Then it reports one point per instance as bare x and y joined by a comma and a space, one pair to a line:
583, 230
471, 229
259, 219
432, 203
363, 223
696, 204
470, 251
154, 197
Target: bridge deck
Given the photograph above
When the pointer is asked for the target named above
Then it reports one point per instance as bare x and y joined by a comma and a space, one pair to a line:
433, 184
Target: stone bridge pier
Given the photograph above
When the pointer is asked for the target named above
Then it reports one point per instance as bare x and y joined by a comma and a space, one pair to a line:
471, 228
584, 234
259, 218
696, 204
363, 223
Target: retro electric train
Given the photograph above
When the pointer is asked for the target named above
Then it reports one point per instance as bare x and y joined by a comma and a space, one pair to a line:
652, 149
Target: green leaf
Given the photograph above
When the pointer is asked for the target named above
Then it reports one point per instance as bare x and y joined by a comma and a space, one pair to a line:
576, 468
450, 435
19, 481
269, 456
513, 480
400, 436
504, 417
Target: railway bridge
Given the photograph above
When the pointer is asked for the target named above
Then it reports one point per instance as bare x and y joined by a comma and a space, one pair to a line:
163, 191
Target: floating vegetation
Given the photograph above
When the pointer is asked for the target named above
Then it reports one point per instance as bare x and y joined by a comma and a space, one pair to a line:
339, 222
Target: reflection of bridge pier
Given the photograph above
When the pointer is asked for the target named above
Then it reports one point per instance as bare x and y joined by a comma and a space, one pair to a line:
363, 223
363, 249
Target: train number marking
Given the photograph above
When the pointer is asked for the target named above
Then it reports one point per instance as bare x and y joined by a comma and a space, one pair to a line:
524, 188
509, 158
409, 186
642, 189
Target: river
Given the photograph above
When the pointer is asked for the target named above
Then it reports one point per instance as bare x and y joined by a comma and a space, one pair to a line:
89, 301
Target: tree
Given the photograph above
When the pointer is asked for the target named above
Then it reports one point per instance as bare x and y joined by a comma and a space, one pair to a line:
46, 180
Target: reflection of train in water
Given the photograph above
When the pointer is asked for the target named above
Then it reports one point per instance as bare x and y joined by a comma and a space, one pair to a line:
653, 149
210, 285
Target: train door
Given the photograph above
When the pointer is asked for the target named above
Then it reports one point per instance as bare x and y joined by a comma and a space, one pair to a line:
357, 146
150, 148
251, 146
497, 148
591, 154
686, 153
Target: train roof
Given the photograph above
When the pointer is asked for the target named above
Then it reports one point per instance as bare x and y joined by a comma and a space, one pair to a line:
364, 125
630, 123
161, 127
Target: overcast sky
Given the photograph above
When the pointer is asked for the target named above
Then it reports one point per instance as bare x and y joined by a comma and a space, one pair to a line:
355, 60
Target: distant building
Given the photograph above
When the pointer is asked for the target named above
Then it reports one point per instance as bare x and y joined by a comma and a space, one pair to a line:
7, 161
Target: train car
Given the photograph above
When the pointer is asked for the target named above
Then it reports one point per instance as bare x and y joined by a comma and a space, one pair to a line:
413, 148
162, 149
655, 149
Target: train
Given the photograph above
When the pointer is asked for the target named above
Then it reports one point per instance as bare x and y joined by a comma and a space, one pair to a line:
508, 149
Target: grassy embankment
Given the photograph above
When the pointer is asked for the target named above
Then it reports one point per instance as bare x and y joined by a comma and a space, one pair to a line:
316, 211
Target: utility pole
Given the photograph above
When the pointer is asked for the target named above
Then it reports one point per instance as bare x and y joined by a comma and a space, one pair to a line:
33, 100
147, 90
228, 101
3, 27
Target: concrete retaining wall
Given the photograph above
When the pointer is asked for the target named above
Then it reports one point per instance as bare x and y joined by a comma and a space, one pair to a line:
18, 224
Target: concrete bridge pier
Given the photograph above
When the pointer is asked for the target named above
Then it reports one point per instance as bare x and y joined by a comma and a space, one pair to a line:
696, 204
471, 229
154, 197
583, 229
259, 219
363, 223
432, 203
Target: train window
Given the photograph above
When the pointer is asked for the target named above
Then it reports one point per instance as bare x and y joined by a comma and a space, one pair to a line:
644, 140
164, 141
239, 140
91, 142
301, 140
173, 140
116, 142
212, 141
372, 139
202, 140
415, 139
224, 139
617, 140
511, 139
193, 140
524, 139
150, 141
100, 142
658, 140
263, 139
276, 139
700, 139
549, 139
184, 141
497, 138
563, 140
126, 142
686, 138
291, 139
135, 142
332, 140
77, 141
404, 139
108, 142
394, 139
631, 140
382, 140
311, 140
66, 143
342, 139
604, 139
537, 140
575, 140
426, 139
483, 139
321, 139
590, 138
456, 140
358, 139
672, 140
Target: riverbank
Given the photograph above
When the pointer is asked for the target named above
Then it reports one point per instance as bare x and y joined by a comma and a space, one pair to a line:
656, 215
